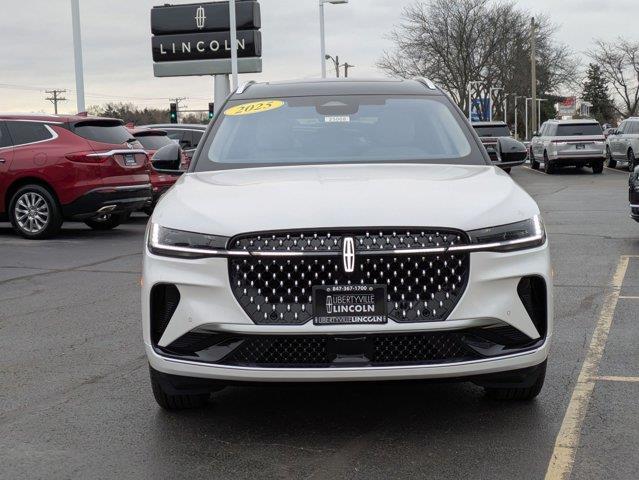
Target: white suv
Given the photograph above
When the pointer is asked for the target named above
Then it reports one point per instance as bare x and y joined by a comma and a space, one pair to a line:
561, 143
622, 144
344, 231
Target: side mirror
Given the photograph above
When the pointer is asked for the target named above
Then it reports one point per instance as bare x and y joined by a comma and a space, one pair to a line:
167, 159
535, 134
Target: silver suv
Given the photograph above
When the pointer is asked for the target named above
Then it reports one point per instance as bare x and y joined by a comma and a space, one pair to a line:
622, 144
568, 143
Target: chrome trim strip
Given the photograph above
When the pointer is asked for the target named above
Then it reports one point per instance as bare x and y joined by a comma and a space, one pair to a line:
633, 206
114, 152
30, 121
354, 369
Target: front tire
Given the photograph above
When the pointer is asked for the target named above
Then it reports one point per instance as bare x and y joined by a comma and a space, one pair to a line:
106, 222
527, 390
610, 162
534, 164
631, 160
175, 402
549, 168
34, 213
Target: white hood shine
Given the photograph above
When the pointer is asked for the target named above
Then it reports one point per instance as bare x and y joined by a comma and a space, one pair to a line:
384, 195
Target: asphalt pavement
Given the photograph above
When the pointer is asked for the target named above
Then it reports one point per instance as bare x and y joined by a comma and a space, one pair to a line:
75, 400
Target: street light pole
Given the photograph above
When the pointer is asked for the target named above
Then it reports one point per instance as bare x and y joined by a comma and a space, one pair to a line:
322, 35
527, 98
77, 55
233, 43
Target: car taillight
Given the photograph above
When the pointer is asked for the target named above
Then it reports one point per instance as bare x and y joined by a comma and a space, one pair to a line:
85, 157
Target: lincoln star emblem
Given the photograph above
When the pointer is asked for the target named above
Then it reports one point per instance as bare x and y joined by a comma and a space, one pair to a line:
348, 254
200, 17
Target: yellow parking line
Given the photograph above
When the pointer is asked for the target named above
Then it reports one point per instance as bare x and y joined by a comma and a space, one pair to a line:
563, 455
612, 378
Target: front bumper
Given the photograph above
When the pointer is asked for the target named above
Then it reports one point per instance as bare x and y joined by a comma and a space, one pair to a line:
119, 199
206, 300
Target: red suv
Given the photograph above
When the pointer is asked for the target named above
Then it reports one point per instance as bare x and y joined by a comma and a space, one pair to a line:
152, 140
56, 168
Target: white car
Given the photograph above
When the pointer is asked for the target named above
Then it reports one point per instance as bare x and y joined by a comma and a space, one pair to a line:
344, 231
561, 143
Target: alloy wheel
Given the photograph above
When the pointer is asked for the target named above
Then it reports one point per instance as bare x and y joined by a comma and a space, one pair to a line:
32, 212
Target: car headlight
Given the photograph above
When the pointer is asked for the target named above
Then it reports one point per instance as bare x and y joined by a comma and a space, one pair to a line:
513, 236
169, 242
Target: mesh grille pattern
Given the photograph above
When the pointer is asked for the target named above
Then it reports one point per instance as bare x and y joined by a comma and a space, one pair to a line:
331, 241
419, 288
419, 347
314, 351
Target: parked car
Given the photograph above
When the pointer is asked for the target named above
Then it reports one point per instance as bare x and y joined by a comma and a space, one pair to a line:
634, 194
561, 143
326, 232
504, 151
56, 168
152, 140
622, 144
187, 135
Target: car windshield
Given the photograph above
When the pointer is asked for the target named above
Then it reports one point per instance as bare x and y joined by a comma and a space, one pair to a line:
571, 129
337, 129
492, 130
153, 142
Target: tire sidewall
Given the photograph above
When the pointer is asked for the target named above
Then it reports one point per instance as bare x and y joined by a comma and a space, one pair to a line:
55, 213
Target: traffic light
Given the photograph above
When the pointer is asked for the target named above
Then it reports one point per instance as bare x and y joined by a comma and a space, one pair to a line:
211, 110
173, 112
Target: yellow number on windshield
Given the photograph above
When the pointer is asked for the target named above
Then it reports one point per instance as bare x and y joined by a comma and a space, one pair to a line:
253, 107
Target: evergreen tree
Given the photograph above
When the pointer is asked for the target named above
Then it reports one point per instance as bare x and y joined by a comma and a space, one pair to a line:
596, 92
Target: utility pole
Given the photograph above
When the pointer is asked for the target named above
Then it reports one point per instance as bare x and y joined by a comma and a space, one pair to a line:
335, 63
346, 67
177, 105
533, 71
54, 98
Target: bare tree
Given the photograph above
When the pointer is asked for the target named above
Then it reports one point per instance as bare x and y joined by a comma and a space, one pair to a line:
454, 42
620, 66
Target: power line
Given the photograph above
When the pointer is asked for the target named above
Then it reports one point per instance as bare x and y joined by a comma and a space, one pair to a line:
54, 98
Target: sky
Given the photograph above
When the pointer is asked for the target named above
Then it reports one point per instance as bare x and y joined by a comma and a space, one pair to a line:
36, 45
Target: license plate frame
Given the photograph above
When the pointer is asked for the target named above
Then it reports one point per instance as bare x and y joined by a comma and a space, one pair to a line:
349, 305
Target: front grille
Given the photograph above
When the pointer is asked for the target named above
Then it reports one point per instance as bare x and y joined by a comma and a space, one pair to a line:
419, 287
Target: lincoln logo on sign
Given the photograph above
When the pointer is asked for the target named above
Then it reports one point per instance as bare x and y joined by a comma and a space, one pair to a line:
348, 254
200, 17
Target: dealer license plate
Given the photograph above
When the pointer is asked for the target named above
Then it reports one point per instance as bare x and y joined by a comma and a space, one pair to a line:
129, 160
349, 304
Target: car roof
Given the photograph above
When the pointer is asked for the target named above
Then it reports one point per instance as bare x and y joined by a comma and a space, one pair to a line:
573, 120
183, 126
46, 118
489, 124
335, 86
146, 131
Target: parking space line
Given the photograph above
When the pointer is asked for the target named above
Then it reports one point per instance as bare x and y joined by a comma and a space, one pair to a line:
628, 297
532, 170
613, 378
615, 170
563, 455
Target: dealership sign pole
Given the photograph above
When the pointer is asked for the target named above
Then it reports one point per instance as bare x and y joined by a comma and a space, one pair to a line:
197, 39
77, 55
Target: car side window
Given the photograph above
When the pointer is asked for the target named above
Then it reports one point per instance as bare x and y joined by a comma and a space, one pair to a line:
5, 141
622, 127
175, 135
544, 130
28, 132
197, 136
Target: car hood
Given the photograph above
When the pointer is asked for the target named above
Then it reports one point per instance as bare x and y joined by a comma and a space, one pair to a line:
229, 202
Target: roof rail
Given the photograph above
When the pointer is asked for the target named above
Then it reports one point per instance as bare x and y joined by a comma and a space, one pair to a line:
426, 82
244, 86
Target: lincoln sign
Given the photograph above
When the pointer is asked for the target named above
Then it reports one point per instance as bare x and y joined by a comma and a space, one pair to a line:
195, 39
